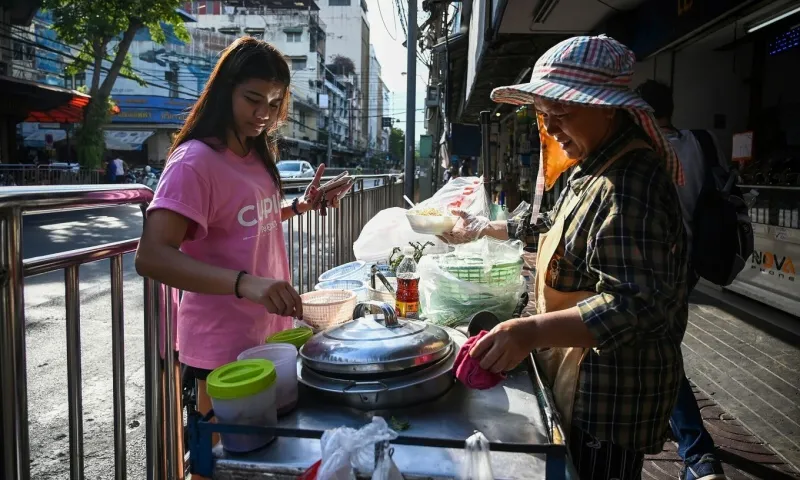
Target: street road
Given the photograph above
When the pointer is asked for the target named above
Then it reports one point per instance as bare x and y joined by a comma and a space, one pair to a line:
46, 341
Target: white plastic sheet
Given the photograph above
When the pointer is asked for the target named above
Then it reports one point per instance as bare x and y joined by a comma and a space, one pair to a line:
387, 230
345, 450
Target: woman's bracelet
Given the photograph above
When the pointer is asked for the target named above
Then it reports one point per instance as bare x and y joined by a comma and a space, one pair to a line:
238, 281
295, 202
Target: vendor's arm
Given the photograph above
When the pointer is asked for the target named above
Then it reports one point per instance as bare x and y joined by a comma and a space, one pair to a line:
526, 231
507, 345
497, 230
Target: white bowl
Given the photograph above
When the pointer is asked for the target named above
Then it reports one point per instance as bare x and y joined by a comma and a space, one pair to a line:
432, 225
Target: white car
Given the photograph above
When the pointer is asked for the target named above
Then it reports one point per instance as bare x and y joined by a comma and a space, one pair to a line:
295, 169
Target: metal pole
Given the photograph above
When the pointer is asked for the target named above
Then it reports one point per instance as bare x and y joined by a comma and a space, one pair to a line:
118, 368
411, 98
13, 370
171, 416
487, 168
152, 382
74, 387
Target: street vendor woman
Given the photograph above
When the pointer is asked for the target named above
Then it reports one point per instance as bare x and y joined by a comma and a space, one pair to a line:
610, 283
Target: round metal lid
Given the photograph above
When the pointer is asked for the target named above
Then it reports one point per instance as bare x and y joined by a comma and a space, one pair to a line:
374, 344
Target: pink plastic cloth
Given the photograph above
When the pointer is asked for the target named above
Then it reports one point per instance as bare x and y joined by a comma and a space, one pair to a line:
469, 371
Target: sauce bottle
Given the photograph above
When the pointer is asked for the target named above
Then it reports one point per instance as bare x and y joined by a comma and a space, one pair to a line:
407, 304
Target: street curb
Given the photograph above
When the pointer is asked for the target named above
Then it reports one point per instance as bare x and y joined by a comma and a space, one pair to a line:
764, 317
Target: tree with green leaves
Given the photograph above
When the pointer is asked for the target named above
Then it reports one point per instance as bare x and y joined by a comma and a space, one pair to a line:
397, 144
102, 31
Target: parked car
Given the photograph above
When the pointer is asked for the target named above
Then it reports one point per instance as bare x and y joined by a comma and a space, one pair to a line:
295, 169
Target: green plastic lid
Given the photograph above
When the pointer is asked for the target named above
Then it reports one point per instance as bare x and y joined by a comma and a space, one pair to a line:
240, 379
295, 336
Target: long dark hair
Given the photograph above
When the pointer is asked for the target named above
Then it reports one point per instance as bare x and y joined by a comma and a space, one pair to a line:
212, 115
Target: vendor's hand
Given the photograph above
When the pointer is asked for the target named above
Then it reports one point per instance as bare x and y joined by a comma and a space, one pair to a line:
278, 296
468, 228
504, 347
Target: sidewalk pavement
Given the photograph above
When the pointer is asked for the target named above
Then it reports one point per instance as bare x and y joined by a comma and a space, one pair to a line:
745, 372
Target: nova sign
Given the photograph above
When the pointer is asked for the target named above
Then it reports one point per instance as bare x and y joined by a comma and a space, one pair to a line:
777, 265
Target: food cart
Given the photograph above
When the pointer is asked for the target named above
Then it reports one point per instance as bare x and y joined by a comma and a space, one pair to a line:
416, 393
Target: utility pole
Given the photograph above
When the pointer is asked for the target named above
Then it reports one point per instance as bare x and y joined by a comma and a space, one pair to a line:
330, 140
411, 99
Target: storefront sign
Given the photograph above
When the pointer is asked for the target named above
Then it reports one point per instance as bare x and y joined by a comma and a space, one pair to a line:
770, 275
151, 109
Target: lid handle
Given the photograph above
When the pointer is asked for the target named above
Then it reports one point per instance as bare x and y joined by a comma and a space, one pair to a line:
389, 317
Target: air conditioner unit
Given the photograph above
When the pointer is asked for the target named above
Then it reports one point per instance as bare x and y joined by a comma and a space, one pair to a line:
432, 97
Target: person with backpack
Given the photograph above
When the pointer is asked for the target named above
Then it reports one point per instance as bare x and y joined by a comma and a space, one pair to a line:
704, 169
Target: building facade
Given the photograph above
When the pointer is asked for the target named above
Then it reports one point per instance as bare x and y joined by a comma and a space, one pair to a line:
348, 36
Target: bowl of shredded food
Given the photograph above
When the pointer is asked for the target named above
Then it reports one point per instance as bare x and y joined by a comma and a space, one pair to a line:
430, 221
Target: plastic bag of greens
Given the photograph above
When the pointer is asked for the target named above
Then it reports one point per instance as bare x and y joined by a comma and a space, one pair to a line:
479, 276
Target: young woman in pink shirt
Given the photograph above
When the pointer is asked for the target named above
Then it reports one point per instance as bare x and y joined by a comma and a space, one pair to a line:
214, 227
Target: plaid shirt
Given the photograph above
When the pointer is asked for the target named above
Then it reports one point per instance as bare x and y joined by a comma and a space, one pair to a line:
625, 241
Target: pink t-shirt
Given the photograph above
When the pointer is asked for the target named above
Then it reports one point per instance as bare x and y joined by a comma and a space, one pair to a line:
236, 208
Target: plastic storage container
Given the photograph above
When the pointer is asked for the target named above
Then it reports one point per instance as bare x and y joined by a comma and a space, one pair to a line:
294, 336
243, 393
327, 308
359, 287
284, 357
357, 270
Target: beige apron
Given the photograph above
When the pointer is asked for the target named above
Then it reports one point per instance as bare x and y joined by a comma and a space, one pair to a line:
561, 366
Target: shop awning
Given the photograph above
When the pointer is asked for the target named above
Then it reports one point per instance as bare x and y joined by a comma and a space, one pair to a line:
126, 139
37, 102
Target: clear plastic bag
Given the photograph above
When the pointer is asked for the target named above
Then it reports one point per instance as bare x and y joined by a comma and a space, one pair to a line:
386, 230
385, 468
477, 459
480, 276
345, 450
521, 210
462, 193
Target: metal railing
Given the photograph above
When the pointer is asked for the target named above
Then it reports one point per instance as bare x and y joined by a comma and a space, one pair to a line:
30, 175
316, 243
14, 202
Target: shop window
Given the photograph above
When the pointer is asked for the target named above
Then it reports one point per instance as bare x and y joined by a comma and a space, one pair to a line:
294, 37
299, 64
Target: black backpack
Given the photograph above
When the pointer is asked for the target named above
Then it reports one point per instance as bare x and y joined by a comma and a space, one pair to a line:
722, 230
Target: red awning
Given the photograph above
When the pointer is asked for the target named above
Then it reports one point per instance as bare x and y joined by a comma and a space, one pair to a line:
36, 102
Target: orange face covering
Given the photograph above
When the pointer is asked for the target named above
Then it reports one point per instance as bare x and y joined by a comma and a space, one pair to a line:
554, 159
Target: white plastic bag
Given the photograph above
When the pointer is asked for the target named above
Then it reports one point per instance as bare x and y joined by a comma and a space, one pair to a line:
345, 449
385, 469
478, 460
462, 193
386, 230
